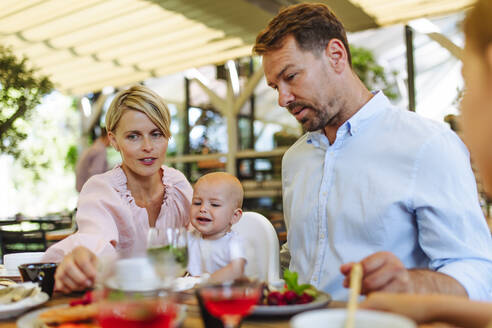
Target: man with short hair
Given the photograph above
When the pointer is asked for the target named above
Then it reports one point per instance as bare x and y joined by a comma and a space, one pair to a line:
369, 182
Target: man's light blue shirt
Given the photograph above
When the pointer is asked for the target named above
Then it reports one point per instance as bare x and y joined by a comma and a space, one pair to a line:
391, 181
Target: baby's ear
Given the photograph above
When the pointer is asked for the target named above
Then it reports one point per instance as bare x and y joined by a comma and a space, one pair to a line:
236, 216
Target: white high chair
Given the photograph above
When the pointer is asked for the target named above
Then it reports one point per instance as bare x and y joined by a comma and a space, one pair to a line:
262, 246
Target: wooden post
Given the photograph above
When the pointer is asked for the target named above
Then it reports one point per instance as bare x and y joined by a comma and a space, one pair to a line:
410, 68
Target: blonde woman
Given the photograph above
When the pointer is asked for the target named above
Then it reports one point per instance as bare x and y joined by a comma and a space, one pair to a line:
116, 209
477, 127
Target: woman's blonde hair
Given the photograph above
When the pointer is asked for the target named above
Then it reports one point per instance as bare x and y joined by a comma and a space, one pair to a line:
141, 99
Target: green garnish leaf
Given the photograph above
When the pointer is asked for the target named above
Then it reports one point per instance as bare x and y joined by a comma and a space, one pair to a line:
291, 280
312, 292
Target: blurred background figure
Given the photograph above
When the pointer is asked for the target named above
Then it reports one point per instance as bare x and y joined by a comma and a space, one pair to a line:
92, 161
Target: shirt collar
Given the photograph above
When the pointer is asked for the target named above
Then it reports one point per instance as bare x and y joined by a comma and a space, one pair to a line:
372, 108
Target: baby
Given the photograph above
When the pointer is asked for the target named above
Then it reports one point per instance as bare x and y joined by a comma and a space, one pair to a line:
215, 249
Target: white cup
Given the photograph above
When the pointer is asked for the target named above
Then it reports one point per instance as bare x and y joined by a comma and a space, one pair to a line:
135, 274
335, 318
12, 261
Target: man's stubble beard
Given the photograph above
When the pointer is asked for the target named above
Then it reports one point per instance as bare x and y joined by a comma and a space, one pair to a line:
315, 120
319, 120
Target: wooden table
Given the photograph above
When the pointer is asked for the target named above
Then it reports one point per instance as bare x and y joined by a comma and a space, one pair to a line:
192, 320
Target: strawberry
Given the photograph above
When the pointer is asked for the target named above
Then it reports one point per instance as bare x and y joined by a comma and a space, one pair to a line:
276, 298
290, 297
88, 298
305, 298
76, 302
85, 300
293, 292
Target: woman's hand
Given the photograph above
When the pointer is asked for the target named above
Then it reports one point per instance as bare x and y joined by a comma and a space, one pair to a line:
77, 271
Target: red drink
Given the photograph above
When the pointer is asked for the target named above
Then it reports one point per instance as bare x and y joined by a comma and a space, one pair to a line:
137, 314
235, 304
229, 302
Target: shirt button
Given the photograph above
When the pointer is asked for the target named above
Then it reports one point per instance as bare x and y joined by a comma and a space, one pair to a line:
324, 194
315, 279
322, 236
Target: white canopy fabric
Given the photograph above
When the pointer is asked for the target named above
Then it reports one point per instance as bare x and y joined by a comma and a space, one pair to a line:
438, 73
85, 45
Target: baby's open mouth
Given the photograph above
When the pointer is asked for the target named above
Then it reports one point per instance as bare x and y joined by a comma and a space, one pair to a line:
203, 219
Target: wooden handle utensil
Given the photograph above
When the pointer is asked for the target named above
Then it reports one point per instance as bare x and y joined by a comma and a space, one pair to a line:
355, 286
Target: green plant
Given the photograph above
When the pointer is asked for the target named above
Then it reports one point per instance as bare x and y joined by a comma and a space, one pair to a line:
21, 90
370, 72
71, 158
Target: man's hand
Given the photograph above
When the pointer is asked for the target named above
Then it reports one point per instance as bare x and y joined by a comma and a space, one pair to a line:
77, 271
382, 271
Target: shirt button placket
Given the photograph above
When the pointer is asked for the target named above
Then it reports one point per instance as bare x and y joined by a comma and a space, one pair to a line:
327, 171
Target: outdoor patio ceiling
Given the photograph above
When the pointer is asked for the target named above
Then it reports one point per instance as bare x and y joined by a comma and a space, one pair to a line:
85, 45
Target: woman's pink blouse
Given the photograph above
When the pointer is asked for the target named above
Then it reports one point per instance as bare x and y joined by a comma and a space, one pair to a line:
111, 224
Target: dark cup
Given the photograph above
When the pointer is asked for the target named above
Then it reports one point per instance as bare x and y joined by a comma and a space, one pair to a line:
42, 273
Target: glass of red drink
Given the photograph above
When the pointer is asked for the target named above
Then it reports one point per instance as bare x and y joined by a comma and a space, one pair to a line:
230, 301
137, 313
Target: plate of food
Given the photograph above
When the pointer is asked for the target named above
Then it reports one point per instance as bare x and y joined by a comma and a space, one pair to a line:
83, 316
7, 273
19, 298
291, 299
85, 313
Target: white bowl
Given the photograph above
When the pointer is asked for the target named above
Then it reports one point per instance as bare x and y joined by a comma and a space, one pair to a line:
335, 318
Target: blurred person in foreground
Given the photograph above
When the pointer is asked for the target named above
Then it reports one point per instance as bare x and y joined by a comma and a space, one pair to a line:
476, 124
369, 182
92, 161
116, 209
